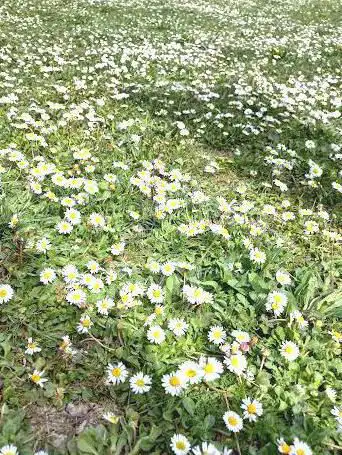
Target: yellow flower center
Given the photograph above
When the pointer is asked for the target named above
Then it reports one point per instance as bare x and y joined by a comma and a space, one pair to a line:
232, 421
174, 381
251, 408
209, 368
3, 293
289, 349
285, 448
300, 452
140, 382
86, 323
116, 372
191, 373
180, 445
234, 361
35, 377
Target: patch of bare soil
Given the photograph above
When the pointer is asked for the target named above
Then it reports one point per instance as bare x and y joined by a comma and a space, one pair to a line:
57, 426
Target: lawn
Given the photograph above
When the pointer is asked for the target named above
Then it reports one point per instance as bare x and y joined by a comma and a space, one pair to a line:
170, 227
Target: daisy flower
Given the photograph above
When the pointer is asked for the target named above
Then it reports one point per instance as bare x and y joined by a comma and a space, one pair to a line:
32, 347
217, 334
240, 336
257, 256
96, 285
70, 273
311, 227
159, 310
289, 350
66, 344
111, 276
47, 276
337, 413
236, 363
155, 293
140, 383
167, 269
84, 325
111, 417
180, 445
174, 383
212, 368
196, 295
283, 278
76, 297
178, 326
37, 378
283, 447
156, 334
96, 220
64, 227
153, 266
299, 318
233, 421
336, 336
116, 373
73, 216
300, 448
252, 409
276, 302
104, 306
93, 266
206, 448
87, 279
43, 245
191, 371
9, 449
117, 248
6, 293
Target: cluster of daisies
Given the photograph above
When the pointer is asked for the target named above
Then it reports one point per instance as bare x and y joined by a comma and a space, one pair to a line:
190, 372
180, 444
85, 196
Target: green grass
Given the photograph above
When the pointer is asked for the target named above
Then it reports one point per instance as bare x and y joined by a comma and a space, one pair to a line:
246, 80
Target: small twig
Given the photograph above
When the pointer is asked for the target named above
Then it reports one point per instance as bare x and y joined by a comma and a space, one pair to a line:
277, 320
91, 337
237, 444
225, 433
262, 363
332, 446
120, 338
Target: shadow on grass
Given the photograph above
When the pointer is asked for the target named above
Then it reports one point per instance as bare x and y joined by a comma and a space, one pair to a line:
182, 104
